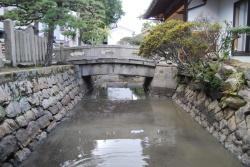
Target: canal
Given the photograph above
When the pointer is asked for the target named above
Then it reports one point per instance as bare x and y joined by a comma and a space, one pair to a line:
123, 129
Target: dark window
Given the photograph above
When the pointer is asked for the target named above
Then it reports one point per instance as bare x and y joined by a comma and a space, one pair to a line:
242, 18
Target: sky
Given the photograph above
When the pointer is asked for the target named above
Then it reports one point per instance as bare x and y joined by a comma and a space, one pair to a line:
129, 23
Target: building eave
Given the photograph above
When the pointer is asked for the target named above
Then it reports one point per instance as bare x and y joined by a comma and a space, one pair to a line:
162, 7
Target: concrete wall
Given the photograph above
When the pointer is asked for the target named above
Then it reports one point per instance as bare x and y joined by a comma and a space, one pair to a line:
32, 103
164, 82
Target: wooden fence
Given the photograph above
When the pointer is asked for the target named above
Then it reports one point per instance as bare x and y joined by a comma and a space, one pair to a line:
23, 47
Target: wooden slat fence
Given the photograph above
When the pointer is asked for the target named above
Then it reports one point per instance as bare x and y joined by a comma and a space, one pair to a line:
23, 47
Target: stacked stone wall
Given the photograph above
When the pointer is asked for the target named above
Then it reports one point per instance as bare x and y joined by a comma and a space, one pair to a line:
32, 103
230, 126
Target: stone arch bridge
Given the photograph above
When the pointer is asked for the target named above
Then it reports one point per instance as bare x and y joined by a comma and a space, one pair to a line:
119, 60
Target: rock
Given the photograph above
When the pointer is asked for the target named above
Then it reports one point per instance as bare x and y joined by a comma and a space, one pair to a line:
226, 70
234, 149
12, 124
214, 107
24, 104
241, 113
242, 125
13, 109
54, 109
48, 102
45, 93
34, 99
22, 121
59, 105
4, 129
23, 137
246, 139
248, 121
2, 114
25, 87
55, 90
245, 148
228, 113
44, 121
222, 137
247, 74
33, 129
22, 155
223, 124
240, 133
233, 102
38, 112
41, 136
66, 100
234, 82
245, 93
72, 94
30, 116
58, 117
51, 126
245, 159
8, 146
5, 97
219, 116
232, 124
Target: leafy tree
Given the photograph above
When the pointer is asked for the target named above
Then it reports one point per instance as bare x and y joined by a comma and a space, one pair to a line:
137, 39
93, 16
113, 11
134, 41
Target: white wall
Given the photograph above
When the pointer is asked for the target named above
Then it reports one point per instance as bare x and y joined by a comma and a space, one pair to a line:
209, 11
217, 11
1, 13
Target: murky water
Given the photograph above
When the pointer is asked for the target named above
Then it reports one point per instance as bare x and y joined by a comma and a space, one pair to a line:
118, 133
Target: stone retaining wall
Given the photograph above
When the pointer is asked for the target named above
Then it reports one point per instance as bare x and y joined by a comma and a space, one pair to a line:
32, 103
231, 127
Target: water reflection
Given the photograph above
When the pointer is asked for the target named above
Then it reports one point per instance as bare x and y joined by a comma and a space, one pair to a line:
125, 152
121, 94
152, 133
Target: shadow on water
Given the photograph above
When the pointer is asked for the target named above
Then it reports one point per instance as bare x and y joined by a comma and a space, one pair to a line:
120, 127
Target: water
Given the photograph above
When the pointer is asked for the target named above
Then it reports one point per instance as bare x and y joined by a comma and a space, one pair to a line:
117, 132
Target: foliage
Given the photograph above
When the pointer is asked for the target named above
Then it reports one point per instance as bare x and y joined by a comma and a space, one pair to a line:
230, 34
184, 43
209, 76
137, 39
113, 11
191, 45
134, 41
94, 16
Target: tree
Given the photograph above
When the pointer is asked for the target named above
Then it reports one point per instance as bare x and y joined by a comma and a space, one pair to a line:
50, 12
137, 39
134, 41
113, 11
99, 18
62, 13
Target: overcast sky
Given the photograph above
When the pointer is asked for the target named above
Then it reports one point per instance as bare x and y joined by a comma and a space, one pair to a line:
130, 22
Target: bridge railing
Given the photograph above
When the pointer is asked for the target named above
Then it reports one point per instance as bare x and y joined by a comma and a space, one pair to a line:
63, 54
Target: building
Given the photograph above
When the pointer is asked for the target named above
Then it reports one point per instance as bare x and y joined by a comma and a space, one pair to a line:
236, 12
